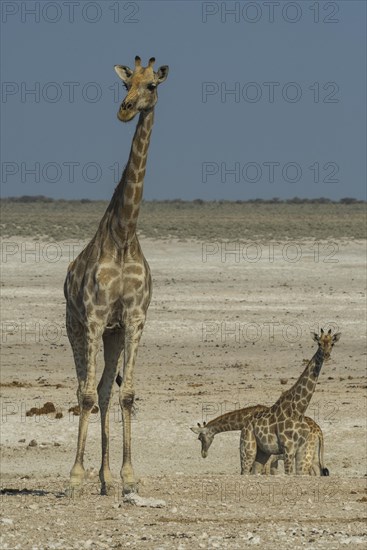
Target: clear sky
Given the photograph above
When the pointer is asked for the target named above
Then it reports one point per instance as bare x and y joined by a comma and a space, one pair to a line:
264, 99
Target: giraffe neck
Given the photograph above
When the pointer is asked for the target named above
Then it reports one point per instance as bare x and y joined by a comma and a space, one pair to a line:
233, 420
123, 211
298, 397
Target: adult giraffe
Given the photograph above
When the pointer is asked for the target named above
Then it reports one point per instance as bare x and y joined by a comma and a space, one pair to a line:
108, 287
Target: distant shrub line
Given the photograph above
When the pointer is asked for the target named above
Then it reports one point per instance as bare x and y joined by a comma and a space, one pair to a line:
275, 200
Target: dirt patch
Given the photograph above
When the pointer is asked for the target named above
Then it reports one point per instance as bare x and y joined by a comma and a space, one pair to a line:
46, 409
76, 410
15, 384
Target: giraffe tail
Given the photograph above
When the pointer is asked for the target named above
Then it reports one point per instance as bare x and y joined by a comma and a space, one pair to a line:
323, 470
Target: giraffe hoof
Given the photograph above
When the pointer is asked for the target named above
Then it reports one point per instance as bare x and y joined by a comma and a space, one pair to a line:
107, 489
129, 488
73, 491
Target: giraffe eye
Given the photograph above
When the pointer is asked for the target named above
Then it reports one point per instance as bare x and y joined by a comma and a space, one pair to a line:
151, 87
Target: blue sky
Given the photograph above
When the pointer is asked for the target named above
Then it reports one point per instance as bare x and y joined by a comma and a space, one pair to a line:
262, 100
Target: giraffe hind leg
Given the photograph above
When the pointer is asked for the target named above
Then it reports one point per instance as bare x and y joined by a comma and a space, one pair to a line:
289, 455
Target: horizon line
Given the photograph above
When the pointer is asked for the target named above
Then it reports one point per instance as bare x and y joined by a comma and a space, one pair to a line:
274, 200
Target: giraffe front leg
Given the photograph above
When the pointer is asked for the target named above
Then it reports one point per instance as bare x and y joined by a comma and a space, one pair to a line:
258, 468
274, 464
271, 466
126, 398
113, 343
77, 472
248, 448
85, 348
261, 464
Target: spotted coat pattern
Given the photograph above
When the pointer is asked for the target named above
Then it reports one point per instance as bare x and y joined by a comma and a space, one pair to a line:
283, 430
235, 420
108, 289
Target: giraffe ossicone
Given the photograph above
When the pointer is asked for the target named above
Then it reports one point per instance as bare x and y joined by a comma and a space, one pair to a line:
108, 287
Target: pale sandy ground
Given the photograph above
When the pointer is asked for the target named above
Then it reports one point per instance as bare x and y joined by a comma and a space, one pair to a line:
220, 334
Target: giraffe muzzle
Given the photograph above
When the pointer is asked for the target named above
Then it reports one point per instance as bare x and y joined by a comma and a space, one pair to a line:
126, 112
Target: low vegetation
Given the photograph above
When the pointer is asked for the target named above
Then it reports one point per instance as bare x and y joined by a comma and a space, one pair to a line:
44, 218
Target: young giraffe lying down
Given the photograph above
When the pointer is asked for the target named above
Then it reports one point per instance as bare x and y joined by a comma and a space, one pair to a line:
235, 420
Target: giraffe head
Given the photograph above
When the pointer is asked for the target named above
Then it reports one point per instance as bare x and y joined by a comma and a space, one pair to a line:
141, 85
206, 437
326, 341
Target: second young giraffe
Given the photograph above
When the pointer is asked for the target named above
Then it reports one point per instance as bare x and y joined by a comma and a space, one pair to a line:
282, 429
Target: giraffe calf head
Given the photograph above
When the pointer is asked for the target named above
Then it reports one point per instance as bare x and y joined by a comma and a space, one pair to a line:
326, 341
205, 436
141, 85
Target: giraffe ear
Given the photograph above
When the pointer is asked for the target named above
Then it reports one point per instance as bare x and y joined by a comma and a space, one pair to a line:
162, 73
123, 72
195, 429
336, 337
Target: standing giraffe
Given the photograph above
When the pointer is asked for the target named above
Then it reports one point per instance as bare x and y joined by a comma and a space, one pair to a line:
108, 287
283, 429
235, 420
